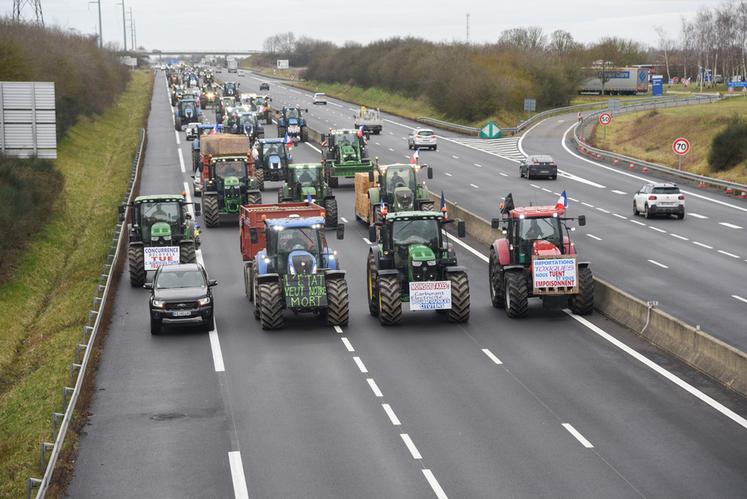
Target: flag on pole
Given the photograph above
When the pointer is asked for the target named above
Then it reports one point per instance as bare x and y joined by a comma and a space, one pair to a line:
288, 141
360, 131
308, 198
414, 158
562, 203
443, 206
382, 208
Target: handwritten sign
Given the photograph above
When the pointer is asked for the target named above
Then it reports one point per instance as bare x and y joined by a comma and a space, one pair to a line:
157, 256
305, 291
430, 295
551, 273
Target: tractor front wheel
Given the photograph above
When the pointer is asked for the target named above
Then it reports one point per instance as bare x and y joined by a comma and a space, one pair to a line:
271, 305
338, 306
330, 212
517, 294
459, 311
136, 263
260, 176
211, 214
390, 303
334, 181
496, 282
583, 302
304, 134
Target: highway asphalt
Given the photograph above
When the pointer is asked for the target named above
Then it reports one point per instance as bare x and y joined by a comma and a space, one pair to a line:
695, 268
550, 406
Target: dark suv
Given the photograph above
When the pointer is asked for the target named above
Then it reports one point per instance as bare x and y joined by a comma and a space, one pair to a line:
181, 295
538, 165
264, 86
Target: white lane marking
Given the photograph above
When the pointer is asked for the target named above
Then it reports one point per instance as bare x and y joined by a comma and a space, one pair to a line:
374, 387
702, 245
468, 247
594, 237
344, 220
215, 348
181, 160
178, 141
367, 241
455, 157
737, 297
440, 494
682, 238
520, 144
689, 193
619, 216
392, 133
395, 123
335, 104
313, 147
573, 199
698, 215
447, 174
561, 121
731, 226
637, 222
360, 364
338, 329
411, 446
404, 138
658, 264
535, 186
546, 189
728, 254
492, 356
391, 150
573, 431
582, 180
390, 412
475, 186
347, 344
377, 143
502, 174
407, 157
660, 370
602, 210
587, 204
657, 229
619, 192
477, 165
237, 475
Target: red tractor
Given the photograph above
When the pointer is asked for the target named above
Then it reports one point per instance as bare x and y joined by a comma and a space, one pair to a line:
536, 258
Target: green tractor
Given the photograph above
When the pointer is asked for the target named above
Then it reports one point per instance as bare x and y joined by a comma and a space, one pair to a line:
396, 189
306, 182
344, 155
415, 263
161, 232
228, 182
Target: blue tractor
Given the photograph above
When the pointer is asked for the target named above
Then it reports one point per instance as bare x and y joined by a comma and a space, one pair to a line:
271, 159
187, 111
292, 123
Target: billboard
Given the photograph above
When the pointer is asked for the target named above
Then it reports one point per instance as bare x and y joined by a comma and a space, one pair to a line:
28, 119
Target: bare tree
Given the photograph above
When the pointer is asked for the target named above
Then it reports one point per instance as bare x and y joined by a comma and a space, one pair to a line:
562, 42
666, 44
529, 39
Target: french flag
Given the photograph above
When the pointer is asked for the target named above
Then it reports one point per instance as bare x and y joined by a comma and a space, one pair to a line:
415, 156
360, 131
562, 202
288, 141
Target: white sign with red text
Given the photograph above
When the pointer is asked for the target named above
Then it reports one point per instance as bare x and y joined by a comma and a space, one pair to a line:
157, 256
430, 295
552, 273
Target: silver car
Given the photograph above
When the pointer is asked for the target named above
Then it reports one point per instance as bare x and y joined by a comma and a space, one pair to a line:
422, 138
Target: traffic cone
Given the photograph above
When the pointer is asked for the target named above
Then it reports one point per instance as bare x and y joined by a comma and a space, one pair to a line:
616, 162
743, 195
728, 191
701, 185
631, 166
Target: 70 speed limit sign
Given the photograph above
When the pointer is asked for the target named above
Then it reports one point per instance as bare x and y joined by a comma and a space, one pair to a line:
681, 146
605, 119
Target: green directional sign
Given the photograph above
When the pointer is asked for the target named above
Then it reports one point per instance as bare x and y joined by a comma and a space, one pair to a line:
490, 131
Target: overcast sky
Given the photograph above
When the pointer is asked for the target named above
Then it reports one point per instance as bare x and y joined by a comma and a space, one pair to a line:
240, 25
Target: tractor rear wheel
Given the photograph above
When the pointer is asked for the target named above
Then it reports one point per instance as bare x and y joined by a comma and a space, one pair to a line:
211, 214
338, 305
373, 301
271, 305
249, 281
304, 134
427, 206
136, 263
459, 311
496, 282
187, 253
260, 176
583, 302
517, 294
330, 212
254, 198
390, 303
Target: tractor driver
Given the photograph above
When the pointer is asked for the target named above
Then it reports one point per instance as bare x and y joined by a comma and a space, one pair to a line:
533, 232
305, 177
397, 180
294, 240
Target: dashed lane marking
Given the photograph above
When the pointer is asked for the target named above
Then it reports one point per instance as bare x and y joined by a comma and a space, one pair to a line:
360, 364
392, 416
237, 475
737, 297
181, 161
440, 494
728, 254
682, 238
374, 387
698, 215
702, 245
492, 356
729, 225
347, 344
594, 237
658, 264
414, 452
573, 431
619, 192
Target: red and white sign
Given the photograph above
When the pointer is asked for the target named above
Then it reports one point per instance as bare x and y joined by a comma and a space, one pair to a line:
430, 295
681, 146
157, 256
605, 119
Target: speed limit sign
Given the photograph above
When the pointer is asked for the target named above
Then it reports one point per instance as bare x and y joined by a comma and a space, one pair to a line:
681, 146
605, 119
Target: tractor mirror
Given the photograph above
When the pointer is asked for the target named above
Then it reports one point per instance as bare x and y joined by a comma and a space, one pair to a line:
495, 223
582, 220
372, 233
370, 176
122, 208
212, 282
461, 228
148, 285
323, 137
253, 236
430, 172
340, 231
198, 209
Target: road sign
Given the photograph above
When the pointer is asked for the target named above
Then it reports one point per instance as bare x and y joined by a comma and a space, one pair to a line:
490, 131
605, 119
530, 105
681, 146
282, 63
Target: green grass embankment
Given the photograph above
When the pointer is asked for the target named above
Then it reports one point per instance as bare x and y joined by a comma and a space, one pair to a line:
649, 135
46, 302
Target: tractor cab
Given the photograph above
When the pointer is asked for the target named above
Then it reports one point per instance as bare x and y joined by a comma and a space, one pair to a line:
399, 185
305, 180
230, 88
272, 154
347, 146
229, 175
159, 220
296, 245
537, 231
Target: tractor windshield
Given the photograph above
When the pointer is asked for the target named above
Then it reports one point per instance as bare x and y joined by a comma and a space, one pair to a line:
225, 169
152, 213
291, 113
399, 177
273, 148
407, 232
533, 229
305, 175
350, 139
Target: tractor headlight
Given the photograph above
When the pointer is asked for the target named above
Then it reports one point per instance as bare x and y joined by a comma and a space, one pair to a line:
204, 301
431, 262
159, 303
417, 264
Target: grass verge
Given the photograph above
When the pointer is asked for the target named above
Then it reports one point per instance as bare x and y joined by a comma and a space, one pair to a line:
648, 135
45, 303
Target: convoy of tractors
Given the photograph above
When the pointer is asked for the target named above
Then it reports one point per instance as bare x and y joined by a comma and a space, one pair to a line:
288, 263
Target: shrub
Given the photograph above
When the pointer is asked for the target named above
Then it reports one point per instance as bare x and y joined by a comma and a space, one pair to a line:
729, 146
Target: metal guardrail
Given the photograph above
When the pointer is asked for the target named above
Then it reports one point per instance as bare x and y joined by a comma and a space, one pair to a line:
61, 420
455, 127
583, 130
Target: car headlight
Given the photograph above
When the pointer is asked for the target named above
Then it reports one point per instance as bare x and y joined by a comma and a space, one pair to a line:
204, 301
159, 303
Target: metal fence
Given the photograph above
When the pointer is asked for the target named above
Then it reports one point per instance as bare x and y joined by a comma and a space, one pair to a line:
27, 119
61, 420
